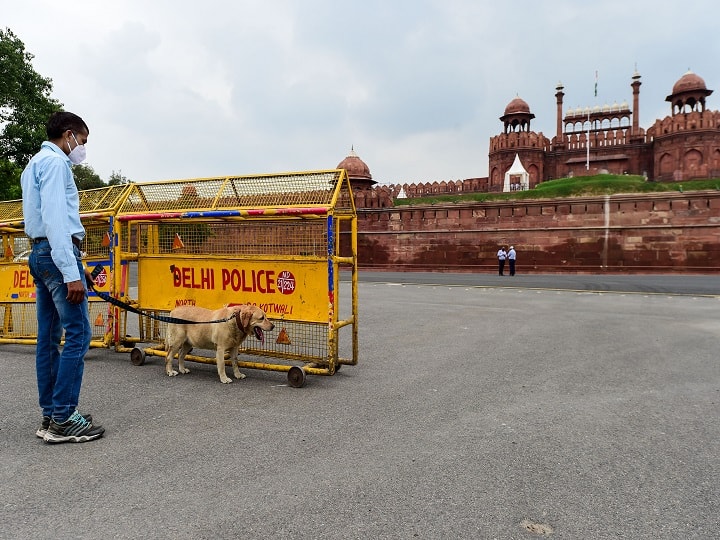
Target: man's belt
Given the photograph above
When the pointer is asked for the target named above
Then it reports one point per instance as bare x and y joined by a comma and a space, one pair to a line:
75, 241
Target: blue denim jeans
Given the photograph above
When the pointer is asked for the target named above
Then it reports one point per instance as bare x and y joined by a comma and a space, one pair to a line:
59, 373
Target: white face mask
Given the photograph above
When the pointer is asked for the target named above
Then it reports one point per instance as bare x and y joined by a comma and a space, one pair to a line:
78, 154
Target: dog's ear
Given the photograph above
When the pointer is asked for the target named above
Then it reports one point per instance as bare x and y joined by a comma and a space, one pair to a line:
245, 316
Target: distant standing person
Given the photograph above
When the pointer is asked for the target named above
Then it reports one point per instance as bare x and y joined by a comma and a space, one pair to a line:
51, 210
501, 255
511, 260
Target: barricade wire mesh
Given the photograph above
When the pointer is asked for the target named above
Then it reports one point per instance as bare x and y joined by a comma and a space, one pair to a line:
267, 237
97, 241
20, 320
291, 189
20, 247
95, 245
289, 339
101, 199
11, 211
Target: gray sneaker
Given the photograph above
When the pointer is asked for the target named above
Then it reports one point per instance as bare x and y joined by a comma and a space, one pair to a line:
42, 430
74, 429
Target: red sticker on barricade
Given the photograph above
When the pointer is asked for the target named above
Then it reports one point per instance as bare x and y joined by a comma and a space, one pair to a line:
101, 278
286, 282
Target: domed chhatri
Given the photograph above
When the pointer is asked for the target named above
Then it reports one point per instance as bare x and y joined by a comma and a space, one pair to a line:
358, 172
517, 105
517, 116
688, 93
690, 82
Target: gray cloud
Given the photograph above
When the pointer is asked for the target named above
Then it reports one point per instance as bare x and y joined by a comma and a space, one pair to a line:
185, 89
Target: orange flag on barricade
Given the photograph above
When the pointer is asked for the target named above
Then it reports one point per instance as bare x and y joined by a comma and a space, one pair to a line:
177, 242
283, 338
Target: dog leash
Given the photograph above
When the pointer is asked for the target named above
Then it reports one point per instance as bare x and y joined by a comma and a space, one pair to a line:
173, 320
128, 307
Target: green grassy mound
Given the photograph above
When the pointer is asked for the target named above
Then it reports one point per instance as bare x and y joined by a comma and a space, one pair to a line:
601, 184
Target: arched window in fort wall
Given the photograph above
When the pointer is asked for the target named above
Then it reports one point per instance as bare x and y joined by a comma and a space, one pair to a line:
496, 180
692, 162
534, 174
667, 167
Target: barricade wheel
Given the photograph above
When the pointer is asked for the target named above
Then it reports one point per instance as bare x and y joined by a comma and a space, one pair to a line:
137, 357
296, 377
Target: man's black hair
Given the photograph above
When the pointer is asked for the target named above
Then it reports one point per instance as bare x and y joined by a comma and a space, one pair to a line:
61, 121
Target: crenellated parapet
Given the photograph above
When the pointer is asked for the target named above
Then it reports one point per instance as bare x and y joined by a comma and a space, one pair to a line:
376, 197
683, 123
452, 187
519, 140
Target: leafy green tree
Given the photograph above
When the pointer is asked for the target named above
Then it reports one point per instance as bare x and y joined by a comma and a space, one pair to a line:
25, 106
86, 177
117, 178
9, 181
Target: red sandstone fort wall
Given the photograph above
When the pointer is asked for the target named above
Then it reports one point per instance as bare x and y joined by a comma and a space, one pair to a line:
673, 232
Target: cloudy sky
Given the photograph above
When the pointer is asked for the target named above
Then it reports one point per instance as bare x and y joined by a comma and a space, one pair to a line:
175, 89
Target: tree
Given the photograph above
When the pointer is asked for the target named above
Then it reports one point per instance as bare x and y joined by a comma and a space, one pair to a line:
9, 181
25, 106
86, 177
117, 178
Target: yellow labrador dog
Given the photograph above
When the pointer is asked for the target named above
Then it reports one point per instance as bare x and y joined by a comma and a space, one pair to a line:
222, 337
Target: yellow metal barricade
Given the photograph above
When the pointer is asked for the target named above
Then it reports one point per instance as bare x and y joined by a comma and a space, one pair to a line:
269, 240
17, 287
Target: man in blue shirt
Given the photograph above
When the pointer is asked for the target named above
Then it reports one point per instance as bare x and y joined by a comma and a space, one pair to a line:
501, 255
511, 255
51, 210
